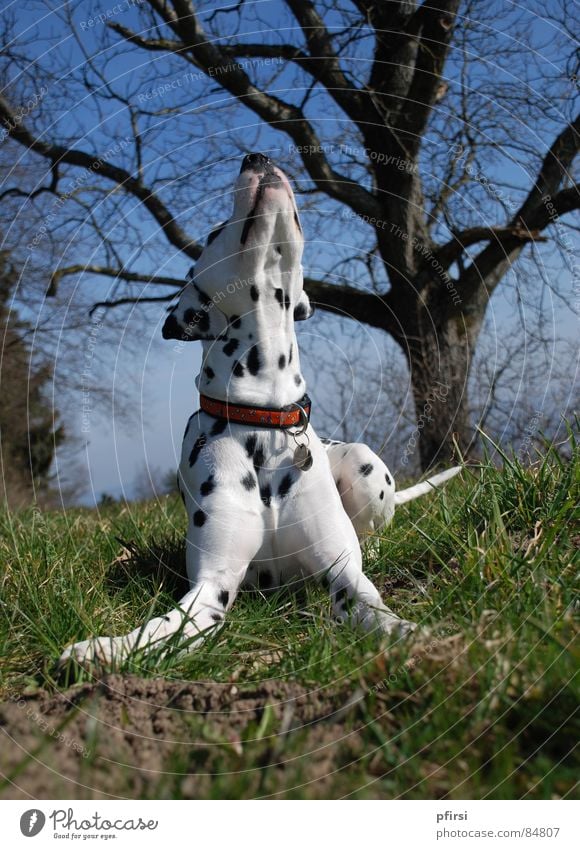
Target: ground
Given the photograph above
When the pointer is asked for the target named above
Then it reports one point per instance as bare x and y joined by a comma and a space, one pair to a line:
480, 703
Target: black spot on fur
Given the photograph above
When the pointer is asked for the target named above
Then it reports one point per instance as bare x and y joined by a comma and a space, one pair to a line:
197, 446
287, 301
172, 329
279, 295
290, 354
236, 321
300, 312
231, 346
264, 580
238, 369
366, 469
219, 426
254, 293
266, 494
259, 458
217, 617
249, 482
251, 444
342, 599
188, 425
388, 480
285, 485
254, 363
223, 597
205, 299
195, 319
203, 321
281, 361
199, 518
210, 373
297, 379
207, 486
382, 494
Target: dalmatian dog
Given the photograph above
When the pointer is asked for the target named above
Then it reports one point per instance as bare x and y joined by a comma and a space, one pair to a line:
267, 504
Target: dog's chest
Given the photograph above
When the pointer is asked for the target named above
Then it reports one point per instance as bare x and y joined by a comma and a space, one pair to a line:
230, 468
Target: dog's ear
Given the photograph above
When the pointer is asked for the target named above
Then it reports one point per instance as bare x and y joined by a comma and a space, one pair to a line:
303, 308
195, 316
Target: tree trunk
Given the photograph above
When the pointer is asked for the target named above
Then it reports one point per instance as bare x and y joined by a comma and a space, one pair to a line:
439, 352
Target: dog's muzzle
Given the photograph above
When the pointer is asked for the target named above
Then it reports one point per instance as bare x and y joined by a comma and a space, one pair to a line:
257, 162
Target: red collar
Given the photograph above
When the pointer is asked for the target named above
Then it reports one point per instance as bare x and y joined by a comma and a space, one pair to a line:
290, 416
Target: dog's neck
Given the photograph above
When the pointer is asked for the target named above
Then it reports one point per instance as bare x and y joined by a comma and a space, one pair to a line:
256, 361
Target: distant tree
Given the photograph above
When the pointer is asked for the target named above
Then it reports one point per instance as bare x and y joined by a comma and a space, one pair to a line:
153, 482
29, 430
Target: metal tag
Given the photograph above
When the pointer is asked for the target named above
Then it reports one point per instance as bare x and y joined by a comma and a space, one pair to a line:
303, 458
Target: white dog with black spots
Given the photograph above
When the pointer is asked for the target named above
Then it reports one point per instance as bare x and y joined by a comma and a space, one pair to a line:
256, 517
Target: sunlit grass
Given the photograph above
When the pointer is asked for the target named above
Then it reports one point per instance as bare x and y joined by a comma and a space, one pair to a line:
482, 701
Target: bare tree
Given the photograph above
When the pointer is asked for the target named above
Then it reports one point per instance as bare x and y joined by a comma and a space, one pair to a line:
446, 145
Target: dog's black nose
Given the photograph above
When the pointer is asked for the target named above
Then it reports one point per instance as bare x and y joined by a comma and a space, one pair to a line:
256, 162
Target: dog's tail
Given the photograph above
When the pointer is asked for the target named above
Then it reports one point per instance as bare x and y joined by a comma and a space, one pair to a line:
426, 486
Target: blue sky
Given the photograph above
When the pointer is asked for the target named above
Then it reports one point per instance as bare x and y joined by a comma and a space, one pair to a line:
162, 382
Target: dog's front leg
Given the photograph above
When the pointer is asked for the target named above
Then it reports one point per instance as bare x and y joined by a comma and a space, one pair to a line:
225, 532
199, 612
356, 600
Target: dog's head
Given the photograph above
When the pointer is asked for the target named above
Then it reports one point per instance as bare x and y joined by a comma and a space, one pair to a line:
260, 246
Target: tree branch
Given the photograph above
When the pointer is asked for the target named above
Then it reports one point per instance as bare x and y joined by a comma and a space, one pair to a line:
107, 271
542, 207
349, 302
124, 301
554, 170
437, 22
279, 114
452, 250
324, 64
543, 204
56, 154
156, 45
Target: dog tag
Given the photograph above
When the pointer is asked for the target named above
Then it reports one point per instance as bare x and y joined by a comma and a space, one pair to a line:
303, 458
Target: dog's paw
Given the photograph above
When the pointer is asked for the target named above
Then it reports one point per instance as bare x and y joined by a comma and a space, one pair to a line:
102, 651
396, 627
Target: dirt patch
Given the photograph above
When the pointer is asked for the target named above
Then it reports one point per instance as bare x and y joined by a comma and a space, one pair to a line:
130, 737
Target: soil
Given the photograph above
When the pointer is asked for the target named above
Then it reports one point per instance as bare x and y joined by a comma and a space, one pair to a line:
129, 737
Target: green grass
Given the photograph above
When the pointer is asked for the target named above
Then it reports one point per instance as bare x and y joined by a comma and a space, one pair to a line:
480, 703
